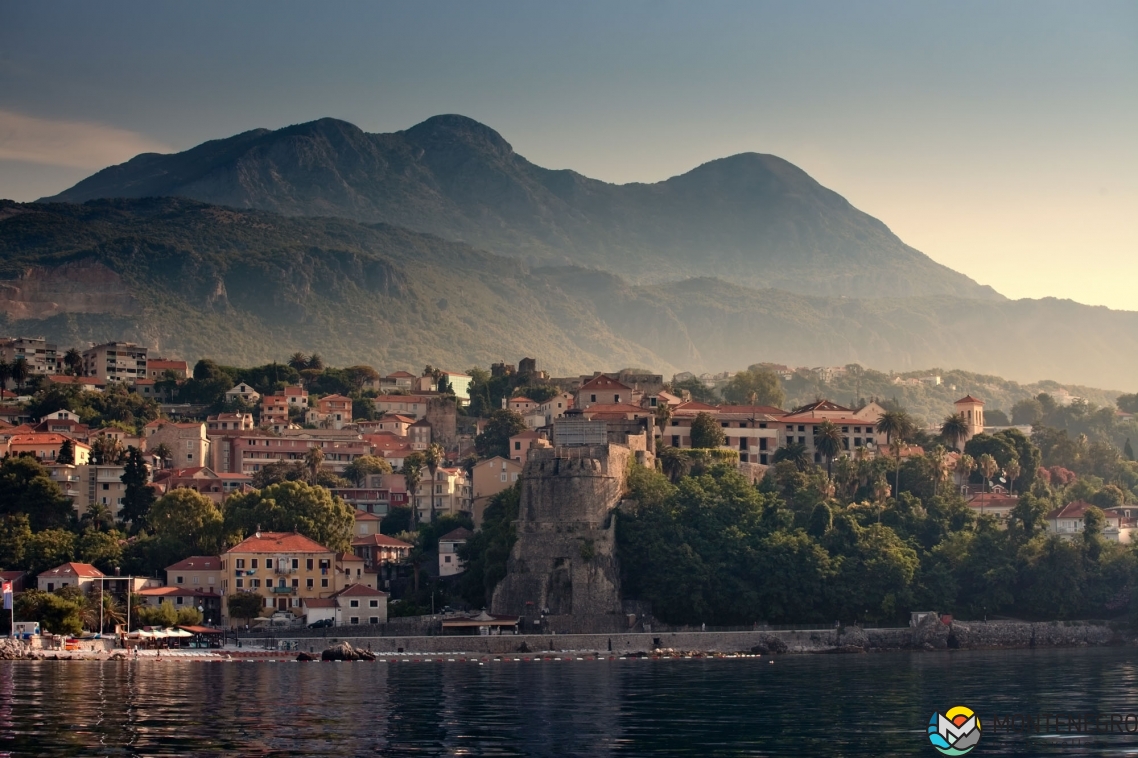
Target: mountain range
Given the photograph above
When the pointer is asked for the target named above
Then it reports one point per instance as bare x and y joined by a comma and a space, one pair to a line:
244, 286
752, 219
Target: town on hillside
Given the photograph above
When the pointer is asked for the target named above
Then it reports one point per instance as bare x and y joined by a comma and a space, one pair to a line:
300, 495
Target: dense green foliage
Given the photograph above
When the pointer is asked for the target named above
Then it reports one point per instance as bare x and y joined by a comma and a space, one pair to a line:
488, 551
292, 506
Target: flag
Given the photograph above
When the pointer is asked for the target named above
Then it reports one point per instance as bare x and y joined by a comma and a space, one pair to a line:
7, 596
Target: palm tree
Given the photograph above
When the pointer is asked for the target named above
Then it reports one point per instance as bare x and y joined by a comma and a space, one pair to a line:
97, 515
73, 359
433, 456
412, 475
312, 461
941, 470
315, 361
896, 426
795, 452
673, 462
880, 490
965, 465
5, 374
828, 443
19, 372
1012, 470
988, 467
298, 361
955, 429
663, 416
163, 453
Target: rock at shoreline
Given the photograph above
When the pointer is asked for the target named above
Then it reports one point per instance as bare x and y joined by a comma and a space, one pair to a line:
305, 657
14, 650
345, 652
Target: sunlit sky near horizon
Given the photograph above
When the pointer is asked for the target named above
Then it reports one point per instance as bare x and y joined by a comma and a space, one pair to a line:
998, 138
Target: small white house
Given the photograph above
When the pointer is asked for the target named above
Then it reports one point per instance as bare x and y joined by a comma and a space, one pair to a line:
449, 562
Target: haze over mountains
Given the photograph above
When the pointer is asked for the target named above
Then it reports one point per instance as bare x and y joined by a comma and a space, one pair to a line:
740, 260
753, 219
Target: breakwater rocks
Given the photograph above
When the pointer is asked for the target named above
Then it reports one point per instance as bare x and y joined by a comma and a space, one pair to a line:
14, 650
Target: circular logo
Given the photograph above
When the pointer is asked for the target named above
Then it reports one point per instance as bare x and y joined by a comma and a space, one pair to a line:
954, 732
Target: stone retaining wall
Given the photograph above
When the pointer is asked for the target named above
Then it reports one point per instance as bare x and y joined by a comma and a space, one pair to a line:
852, 639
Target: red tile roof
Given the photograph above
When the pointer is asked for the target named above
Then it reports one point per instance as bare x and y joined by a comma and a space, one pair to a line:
73, 569
457, 535
822, 405
197, 563
968, 399
603, 382
365, 516
359, 590
379, 540
278, 542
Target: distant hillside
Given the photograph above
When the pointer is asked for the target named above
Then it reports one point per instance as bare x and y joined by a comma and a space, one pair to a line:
752, 219
249, 286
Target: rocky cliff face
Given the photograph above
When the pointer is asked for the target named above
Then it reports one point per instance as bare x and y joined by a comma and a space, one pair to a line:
564, 562
80, 287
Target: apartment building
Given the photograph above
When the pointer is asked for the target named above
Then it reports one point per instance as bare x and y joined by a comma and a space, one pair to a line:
188, 442
116, 361
284, 568
39, 354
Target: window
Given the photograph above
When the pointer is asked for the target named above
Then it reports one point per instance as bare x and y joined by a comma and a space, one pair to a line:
210, 581
592, 398
254, 582
374, 603
178, 579
309, 564
196, 580
295, 582
762, 443
296, 563
616, 398
50, 586
503, 476
354, 603
240, 583
354, 620
373, 620
253, 563
675, 440
323, 582
517, 445
308, 583
515, 477
268, 563
240, 563
179, 600
446, 559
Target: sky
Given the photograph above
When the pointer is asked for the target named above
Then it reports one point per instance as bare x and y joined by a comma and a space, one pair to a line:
997, 138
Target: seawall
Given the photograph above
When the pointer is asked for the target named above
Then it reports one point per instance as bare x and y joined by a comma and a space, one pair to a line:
850, 640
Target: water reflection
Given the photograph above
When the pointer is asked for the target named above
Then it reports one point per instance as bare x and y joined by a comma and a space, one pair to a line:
808, 705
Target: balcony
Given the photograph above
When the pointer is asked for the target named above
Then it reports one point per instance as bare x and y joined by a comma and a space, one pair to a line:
284, 590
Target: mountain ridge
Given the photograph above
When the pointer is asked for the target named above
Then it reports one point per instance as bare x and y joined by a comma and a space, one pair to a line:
752, 218
248, 286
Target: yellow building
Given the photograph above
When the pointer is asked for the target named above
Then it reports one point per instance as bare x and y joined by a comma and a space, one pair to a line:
284, 568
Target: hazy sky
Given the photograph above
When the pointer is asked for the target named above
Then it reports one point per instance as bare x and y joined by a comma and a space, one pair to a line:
999, 138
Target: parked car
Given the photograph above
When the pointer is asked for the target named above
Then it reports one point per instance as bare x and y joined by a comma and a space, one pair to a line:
320, 624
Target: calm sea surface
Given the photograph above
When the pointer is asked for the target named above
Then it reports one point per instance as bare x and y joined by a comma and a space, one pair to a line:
865, 705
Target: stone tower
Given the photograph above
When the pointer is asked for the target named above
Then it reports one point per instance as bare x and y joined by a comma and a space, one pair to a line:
973, 412
564, 562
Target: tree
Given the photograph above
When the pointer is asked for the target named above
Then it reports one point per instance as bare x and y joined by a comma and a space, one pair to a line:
412, 475
1012, 470
486, 554
495, 437
49, 548
706, 432
1094, 520
1127, 403
20, 372
98, 516
163, 453
244, 605
432, 457
955, 429
1027, 412
279, 471
27, 488
315, 362
1127, 450
1109, 496
138, 495
188, 522
988, 468
56, 614
293, 506
73, 359
896, 426
107, 451
828, 443
164, 614
364, 466
755, 387
794, 452
398, 520
15, 533
66, 453
188, 616
101, 549
5, 374
313, 460
298, 361
662, 414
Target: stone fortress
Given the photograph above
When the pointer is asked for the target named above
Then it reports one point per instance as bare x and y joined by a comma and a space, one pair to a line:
563, 571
